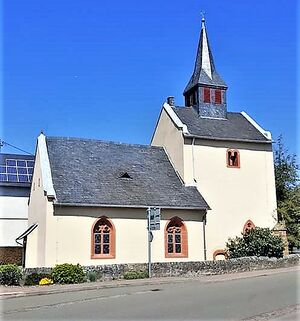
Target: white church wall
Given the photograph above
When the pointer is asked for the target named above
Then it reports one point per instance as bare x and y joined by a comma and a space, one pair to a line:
69, 237
234, 194
37, 213
167, 135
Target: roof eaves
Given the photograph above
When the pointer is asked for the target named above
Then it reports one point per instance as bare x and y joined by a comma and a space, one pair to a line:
228, 139
265, 133
130, 206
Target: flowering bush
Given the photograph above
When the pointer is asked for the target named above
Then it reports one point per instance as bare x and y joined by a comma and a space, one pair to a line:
45, 281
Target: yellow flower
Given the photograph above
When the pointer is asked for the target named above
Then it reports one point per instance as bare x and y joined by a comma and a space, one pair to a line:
45, 281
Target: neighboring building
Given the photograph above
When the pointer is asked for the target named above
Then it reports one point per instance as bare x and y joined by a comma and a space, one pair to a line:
15, 177
226, 155
88, 202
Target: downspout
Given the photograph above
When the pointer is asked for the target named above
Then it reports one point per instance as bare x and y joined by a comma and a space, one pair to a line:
204, 217
24, 252
204, 237
193, 159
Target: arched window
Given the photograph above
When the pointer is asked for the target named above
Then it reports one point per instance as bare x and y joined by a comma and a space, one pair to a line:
233, 158
103, 239
248, 226
176, 241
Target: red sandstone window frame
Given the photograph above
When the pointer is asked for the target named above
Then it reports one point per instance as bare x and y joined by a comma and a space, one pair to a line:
176, 222
218, 96
206, 95
112, 239
249, 225
233, 163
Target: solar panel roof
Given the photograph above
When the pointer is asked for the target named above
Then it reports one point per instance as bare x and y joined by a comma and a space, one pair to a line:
15, 168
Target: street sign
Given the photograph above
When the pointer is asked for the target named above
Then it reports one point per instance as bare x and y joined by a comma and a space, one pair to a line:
153, 219
154, 213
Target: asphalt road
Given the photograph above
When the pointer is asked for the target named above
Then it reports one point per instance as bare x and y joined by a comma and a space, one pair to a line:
267, 297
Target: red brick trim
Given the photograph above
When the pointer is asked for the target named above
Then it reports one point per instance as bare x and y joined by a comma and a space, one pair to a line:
220, 252
112, 240
184, 238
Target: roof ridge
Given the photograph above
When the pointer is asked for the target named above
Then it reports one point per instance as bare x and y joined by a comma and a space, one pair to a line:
102, 141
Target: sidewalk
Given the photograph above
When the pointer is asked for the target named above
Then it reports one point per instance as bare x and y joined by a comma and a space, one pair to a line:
21, 291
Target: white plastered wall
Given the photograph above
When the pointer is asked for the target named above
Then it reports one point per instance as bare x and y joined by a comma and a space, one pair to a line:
167, 135
69, 236
13, 219
234, 194
37, 213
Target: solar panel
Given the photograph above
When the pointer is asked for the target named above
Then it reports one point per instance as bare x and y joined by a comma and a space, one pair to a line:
16, 171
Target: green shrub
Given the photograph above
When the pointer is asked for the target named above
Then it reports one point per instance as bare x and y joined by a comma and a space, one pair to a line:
130, 275
68, 273
143, 274
256, 242
34, 278
92, 276
10, 274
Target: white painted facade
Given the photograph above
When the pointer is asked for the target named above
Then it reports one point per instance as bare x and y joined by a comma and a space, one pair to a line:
234, 194
13, 219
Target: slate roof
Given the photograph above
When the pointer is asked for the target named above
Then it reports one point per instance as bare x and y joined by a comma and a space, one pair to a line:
88, 172
235, 127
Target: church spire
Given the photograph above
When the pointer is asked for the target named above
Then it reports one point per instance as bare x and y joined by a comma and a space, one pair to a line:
206, 89
204, 57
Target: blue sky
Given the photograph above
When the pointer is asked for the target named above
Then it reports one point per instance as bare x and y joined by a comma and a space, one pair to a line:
102, 69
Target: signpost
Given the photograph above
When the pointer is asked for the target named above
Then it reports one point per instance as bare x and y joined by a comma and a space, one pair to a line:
153, 218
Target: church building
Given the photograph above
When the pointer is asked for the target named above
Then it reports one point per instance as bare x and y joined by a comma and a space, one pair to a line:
210, 171
226, 155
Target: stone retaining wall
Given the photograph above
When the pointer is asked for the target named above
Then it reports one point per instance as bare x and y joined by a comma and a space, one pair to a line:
186, 269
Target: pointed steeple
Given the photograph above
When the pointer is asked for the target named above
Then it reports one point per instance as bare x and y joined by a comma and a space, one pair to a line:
206, 88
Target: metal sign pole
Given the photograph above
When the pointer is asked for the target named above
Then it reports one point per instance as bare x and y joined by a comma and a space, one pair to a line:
149, 243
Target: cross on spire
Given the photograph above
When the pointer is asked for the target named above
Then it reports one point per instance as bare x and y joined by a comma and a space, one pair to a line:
203, 19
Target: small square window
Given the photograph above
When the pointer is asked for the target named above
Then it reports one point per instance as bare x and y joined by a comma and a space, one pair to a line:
233, 158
